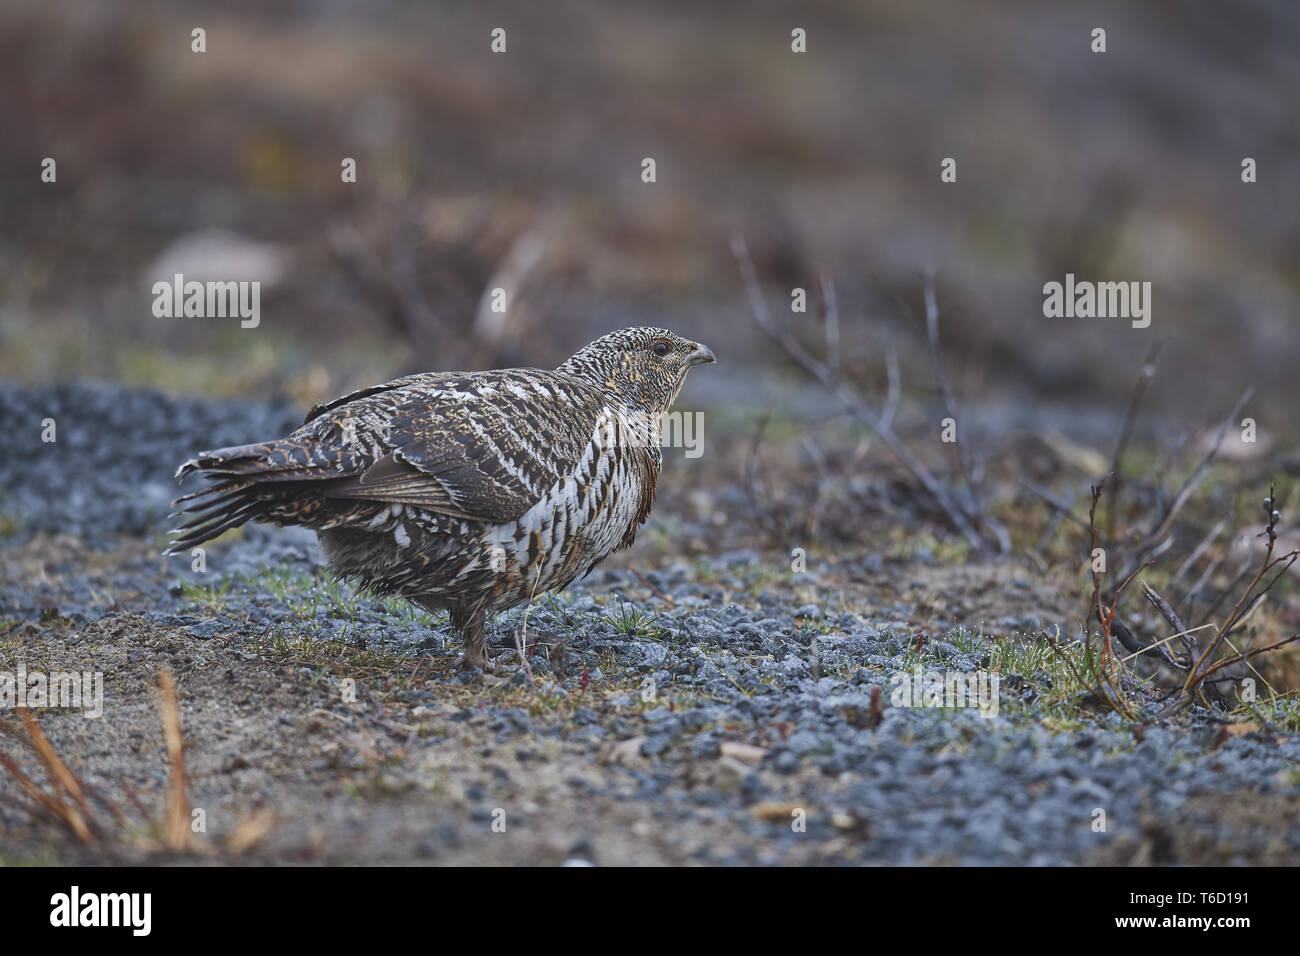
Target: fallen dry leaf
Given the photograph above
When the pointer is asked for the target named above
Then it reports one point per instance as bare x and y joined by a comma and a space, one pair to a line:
772, 812
626, 751
1088, 460
746, 753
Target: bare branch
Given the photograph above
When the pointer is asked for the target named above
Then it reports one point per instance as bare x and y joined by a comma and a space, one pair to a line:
1197, 552
1171, 617
1139, 390
832, 321
891, 399
1161, 526
851, 401
973, 483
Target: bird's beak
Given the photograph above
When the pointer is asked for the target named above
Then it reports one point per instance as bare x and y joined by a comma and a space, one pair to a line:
701, 355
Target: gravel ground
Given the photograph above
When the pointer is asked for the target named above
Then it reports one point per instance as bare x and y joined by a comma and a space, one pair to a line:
703, 711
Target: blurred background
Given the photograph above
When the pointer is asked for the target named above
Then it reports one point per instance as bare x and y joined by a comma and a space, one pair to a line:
522, 170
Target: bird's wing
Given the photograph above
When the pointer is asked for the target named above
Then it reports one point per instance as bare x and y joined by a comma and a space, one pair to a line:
485, 446
318, 410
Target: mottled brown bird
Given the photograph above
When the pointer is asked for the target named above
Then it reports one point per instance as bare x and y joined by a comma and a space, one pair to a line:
465, 491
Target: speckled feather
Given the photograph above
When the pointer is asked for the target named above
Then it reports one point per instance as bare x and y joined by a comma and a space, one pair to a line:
467, 491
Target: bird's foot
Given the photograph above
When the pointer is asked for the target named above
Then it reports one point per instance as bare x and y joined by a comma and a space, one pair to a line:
483, 660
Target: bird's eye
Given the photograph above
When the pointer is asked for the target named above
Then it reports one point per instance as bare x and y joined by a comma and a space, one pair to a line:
661, 346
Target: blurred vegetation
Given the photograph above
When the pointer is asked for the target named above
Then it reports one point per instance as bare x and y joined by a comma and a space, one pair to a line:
523, 169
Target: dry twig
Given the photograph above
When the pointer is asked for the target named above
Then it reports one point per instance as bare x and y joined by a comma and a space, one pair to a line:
830, 379
1205, 664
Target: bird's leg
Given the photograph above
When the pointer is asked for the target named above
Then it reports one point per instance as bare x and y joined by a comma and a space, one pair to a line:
472, 626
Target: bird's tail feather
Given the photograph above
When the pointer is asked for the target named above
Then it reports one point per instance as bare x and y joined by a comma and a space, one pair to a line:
268, 481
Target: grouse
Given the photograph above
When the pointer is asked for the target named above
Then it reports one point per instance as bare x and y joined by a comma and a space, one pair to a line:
469, 492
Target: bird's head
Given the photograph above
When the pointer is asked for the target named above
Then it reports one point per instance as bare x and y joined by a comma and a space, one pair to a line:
643, 368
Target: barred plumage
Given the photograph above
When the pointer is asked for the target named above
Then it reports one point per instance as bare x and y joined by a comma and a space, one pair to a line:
466, 491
